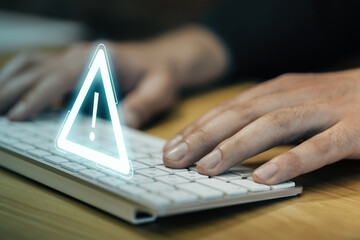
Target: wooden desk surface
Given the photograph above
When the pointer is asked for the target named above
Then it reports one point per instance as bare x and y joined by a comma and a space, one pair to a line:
329, 208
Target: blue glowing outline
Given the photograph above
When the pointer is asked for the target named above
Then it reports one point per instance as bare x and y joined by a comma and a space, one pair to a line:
123, 164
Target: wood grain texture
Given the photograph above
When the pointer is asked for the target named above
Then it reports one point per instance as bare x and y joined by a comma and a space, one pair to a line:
329, 208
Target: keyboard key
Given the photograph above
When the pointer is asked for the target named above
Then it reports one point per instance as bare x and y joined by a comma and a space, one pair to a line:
74, 167
242, 171
157, 156
59, 152
283, 185
133, 190
172, 179
8, 140
158, 187
32, 139
156, 200
91, 164
55, 159
139, 179
204, 192
191, 175
228, 176
193, 168
89, 173
136, 155
228, 188
152, 172
152, 162
39, 153
139, 165
47, 146
171, 170
111, 181
76, 159
250, 185
180, 197
23, 147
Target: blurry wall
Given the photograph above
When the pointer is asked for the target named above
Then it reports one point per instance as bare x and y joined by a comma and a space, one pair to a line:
120, 19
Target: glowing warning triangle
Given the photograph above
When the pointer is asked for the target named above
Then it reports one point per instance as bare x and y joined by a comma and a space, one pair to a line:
121, 164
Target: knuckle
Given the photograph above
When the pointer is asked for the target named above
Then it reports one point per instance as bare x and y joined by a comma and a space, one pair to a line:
203, 133
286, 77
320, 147
294, 162
276, 119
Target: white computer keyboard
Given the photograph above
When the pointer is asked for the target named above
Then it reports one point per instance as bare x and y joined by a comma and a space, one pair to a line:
154, 190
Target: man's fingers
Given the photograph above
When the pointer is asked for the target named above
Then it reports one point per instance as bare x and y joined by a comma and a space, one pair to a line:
152, 95
12, 90
276, 85
48, 90
203, 139
334, 144
18, 64
274, 128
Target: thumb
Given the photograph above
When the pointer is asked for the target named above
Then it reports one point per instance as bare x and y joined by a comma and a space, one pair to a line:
154, 93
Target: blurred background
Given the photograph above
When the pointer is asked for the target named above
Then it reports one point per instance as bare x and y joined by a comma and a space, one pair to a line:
33, 24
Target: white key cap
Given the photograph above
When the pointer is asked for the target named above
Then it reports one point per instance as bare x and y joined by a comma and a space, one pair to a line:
152, 172
157, 155
137, 155
252, 186
242, 171
193, 168
8, 140
139, 179
156, 200
201, 190
23, 146
172, 179
152, 162
132, 190
171, 170
74, 167
228, 176
283, 185
47, 146
55, 159
139, 165
76, 159
33, 140
39, 153
228, 188
111, 181
157, 187
92, 165
59, 152
89, 173
191, 175
181, 197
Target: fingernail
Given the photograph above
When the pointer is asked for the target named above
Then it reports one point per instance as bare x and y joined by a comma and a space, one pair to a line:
18, 111
173, 141
266, 171
131, 119
176, 153
210, 160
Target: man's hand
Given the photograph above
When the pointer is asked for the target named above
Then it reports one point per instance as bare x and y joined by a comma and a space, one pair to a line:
322, 107
150, 73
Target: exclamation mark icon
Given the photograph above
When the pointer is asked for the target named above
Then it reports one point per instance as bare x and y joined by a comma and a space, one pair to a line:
95, 106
